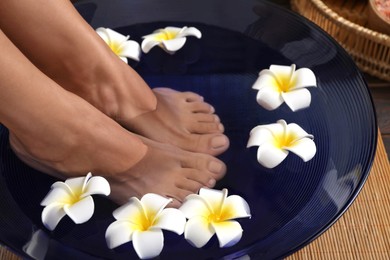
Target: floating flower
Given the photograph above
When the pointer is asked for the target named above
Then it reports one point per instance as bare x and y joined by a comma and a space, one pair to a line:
171, 39
72, 198
141, 221
120, 44
275, 141
212, 212
280, 84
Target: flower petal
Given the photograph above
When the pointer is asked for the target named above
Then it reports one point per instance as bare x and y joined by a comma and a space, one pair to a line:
297, 99
237, 208
115, 36
102, 32
304, 77
190, 31
153, 204
269, 98
148, 244
174, 44
130, 49
52, 214
278, 129
172, 220
119, 232
195, 205
283, 74
304, 148
78, 183
97, 185
148, 43
266, 133
86, 179
259, 135
124, 59
266, 79
132, 210
172, 29
297, 131
269, 156
81, 211
228, 232
60, 193
198, 231
214, 198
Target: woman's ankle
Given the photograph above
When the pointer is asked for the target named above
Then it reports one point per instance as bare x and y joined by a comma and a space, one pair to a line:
102, 157
79, 139
106, 82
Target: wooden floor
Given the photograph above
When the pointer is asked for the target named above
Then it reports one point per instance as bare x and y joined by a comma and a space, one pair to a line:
380, 91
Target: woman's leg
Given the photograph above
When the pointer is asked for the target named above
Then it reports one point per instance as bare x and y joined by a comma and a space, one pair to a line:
57, 127
61, 134
56, 38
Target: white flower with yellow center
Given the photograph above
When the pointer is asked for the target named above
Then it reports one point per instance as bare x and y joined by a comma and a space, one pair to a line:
72, 198
276, 140
141, 221
171, 39
280, 84
212, 212
120, 44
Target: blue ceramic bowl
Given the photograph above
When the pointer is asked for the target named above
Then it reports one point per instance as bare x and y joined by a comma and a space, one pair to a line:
291, 204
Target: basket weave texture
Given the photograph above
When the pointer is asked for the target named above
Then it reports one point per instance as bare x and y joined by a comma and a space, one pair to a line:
346, 21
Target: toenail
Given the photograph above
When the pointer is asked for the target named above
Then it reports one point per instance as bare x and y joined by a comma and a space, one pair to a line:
212, 183
221, 128
215, 167
212, 109
218, 141
216, 118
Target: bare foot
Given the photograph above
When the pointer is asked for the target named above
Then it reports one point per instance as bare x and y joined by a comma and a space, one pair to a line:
164, 170
182, 119
168, 171
81, 62
63, 135
72, 138
62, 143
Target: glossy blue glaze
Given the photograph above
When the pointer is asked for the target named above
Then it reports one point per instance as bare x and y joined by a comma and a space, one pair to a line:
290, 204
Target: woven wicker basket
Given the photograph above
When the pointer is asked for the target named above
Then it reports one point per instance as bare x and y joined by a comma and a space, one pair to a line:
345, 21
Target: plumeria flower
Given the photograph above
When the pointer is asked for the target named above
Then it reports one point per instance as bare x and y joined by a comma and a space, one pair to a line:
171, 39
280, 84
276, 140
72, 198
120, 44
212, 212
142, 221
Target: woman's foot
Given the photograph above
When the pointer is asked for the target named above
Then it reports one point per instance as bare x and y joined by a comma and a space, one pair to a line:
168, 171
164, 169
63, 135
73, 138
182, 119
74, 56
